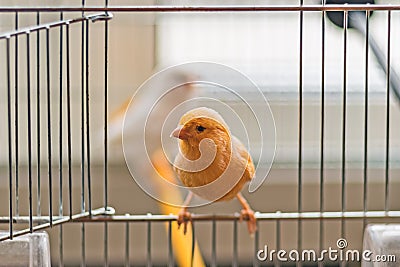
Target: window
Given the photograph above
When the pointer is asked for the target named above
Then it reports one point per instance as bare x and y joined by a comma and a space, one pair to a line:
265, 46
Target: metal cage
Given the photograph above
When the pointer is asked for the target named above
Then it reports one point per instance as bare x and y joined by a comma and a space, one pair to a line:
50, 182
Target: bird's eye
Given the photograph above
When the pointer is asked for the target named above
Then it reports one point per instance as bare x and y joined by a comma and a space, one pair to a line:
200, 128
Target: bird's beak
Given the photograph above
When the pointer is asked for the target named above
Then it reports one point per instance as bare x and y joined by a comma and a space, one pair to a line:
180, 133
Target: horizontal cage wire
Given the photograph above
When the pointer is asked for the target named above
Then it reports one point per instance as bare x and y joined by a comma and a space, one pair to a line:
61, 76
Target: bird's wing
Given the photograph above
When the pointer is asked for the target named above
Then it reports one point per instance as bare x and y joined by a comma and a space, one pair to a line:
245, 156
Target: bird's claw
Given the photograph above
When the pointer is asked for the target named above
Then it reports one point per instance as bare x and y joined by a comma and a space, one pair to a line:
184, 217
248, 215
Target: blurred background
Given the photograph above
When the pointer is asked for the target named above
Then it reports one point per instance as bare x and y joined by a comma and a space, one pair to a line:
262, 45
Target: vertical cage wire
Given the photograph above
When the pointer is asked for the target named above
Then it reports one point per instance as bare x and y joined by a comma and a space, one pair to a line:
38, 131
105, 144
214, 243
49, 141
69, 143
127, 247
28, 86
60, 163
300, 156
387, 111
83, 208
16, 119
344, 113
322, 134
10, 176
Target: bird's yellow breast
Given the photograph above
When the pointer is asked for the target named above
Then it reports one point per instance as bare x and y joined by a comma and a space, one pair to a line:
231, 164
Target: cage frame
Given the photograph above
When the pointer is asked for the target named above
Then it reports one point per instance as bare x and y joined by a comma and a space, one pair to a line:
108, 214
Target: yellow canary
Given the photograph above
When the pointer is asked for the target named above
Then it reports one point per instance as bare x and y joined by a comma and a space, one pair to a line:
212, 162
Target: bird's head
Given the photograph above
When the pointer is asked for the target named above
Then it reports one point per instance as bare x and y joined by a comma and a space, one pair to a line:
201, 123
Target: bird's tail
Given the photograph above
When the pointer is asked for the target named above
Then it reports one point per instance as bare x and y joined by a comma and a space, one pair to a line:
187, 252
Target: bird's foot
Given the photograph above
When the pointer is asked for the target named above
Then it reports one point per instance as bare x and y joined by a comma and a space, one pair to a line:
248, 215
184, 217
